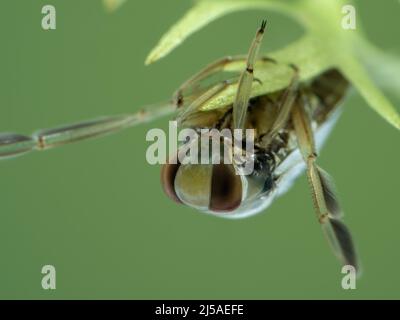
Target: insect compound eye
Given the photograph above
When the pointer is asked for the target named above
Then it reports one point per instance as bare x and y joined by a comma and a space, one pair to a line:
213, 187
226, 189
168, 173
193, 185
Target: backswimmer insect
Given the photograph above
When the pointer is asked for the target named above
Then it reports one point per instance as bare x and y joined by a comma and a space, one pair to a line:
290, 125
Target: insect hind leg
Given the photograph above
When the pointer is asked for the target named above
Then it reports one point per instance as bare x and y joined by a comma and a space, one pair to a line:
14, 144
326, 205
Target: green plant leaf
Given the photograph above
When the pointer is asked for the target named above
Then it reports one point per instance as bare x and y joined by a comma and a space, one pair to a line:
112, 5
384, 67
325, 44
304, 53
198, 17
358, 76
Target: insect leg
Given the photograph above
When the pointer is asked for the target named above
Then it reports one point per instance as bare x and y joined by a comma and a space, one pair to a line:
13, 144
210, 70
199, 101
245, 81
286, 104
326, 205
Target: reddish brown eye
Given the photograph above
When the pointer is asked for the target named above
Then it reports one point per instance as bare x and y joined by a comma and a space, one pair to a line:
168, 173
226, 189
206, 187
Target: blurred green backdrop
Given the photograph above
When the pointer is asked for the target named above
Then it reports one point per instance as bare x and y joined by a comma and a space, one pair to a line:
96, 210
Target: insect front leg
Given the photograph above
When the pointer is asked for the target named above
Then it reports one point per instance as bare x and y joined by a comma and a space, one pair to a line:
203, 74
209, 71
246, 80
328, 211
285, 106
13, 144
203, 98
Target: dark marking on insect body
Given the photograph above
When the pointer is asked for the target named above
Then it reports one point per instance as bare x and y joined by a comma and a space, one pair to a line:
41, 143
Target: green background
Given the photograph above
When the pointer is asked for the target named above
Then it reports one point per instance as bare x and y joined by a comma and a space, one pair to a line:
96, 211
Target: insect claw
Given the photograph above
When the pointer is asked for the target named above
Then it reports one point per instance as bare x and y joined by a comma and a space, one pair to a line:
294, 67
257, 80
263, 25
268, 59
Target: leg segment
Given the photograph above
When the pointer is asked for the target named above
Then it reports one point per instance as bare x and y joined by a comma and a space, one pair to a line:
12, 144
197, 103
245, 82
203, 74
286, 104
210, 70
326, 205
